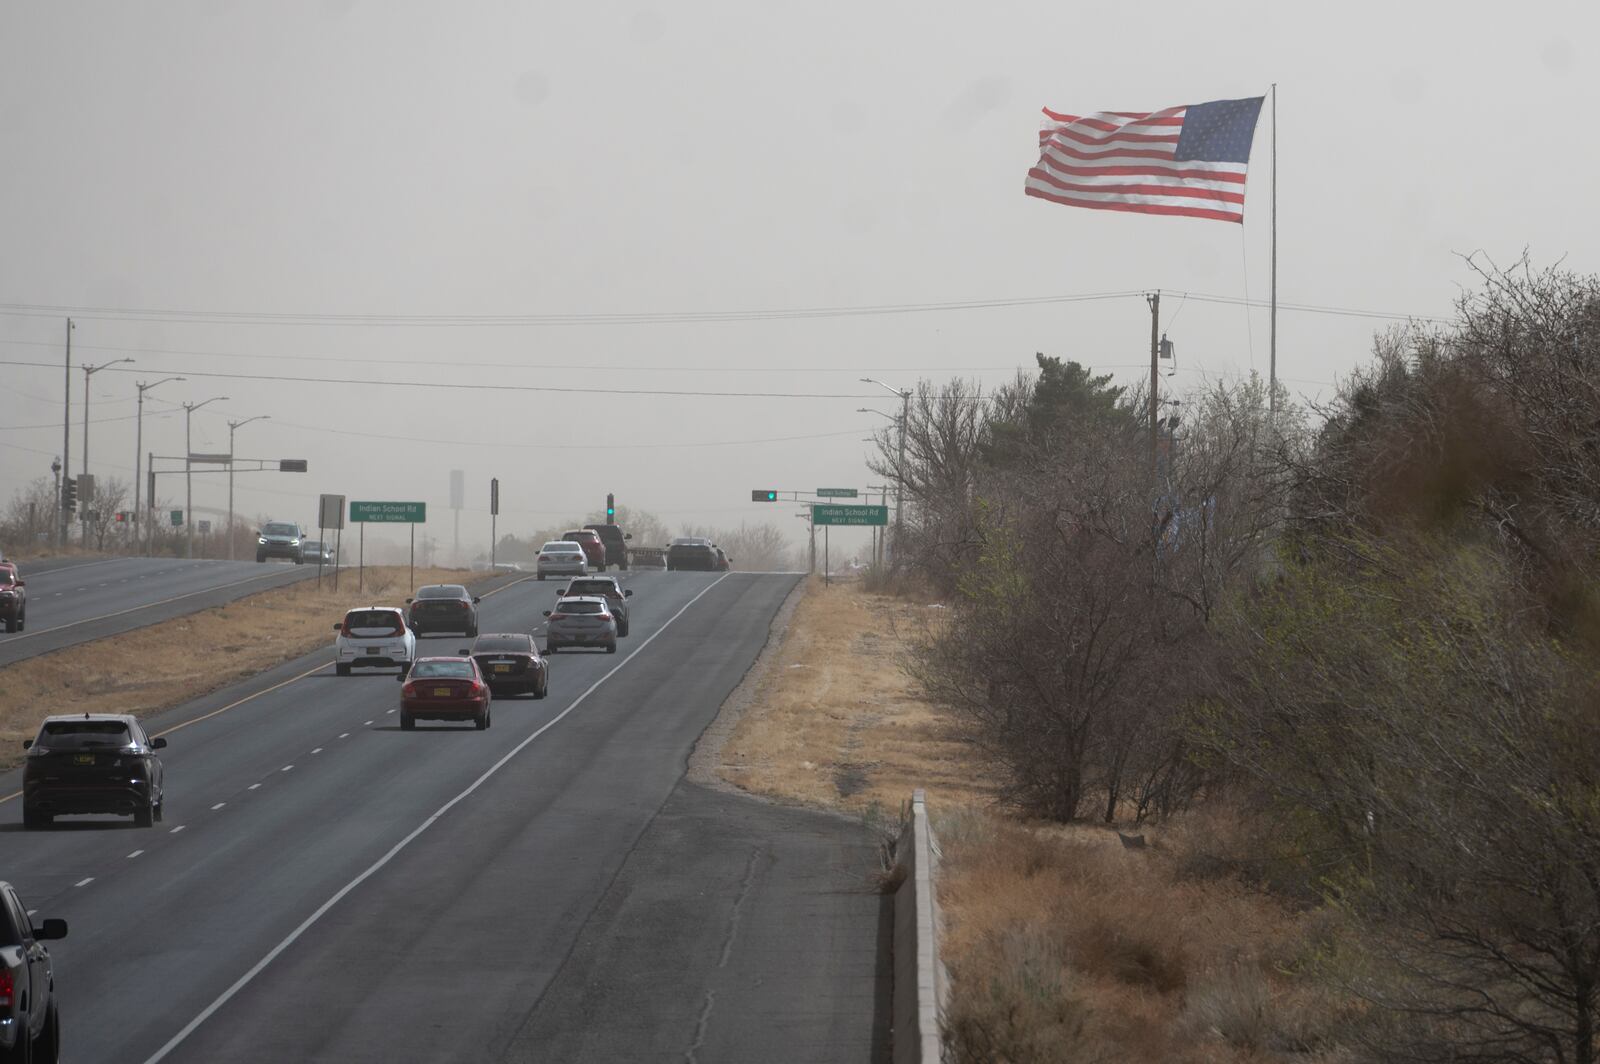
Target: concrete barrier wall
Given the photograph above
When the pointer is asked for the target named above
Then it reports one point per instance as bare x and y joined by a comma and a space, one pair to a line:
920, 980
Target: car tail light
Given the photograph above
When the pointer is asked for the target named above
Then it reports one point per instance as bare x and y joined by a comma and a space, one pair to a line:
559, 616
465, 605
408, 690
8, 989
604, 616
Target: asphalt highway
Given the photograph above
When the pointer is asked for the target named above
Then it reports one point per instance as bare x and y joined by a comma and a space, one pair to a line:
72, 601
327, 887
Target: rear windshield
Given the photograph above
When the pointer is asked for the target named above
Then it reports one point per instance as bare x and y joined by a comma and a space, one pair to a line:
592, 587
279, 530
557, 545
7, 576
442, 670
84, 734
444, 591
691, 542
578, 537
501, 644
581, 606
388, 620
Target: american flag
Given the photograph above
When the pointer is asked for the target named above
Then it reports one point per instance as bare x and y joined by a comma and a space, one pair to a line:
1184, 160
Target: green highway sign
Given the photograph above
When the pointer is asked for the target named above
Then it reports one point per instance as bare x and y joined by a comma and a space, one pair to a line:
177, 518
840, 514
408, 513
836, 493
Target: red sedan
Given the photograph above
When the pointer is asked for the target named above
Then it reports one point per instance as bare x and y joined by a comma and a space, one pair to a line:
444, 689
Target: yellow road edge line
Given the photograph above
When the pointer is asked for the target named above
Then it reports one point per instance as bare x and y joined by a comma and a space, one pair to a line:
264, 691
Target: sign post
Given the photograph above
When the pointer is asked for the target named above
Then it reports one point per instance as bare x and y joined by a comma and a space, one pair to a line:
410, 513
330, 514
494, 518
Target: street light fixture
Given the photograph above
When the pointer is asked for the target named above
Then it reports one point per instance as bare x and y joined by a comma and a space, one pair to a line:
899, 473
138, 457
89, 371
188, 474
233, 427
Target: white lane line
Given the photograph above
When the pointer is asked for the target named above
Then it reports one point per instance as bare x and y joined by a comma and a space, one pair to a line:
388, 711
134, 854
84, 882
56, 595
321, 910
286, 768
219, 805
252, 787
177, 829
365, 722
318, 750
32, 911
346, 735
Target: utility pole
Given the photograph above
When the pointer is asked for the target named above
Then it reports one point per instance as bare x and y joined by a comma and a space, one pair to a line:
1272, 334
232, 428
1155, 374
188, 475
900, 469
66, 444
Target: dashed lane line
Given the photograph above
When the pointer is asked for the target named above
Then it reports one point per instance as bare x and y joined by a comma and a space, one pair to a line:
134, 854
84, 882
219, 805
177, 829
252, 787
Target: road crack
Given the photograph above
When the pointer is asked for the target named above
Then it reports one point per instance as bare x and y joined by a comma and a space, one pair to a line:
703, 1022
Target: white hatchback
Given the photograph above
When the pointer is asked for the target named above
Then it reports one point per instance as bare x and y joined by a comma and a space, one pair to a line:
562, 557
375, 637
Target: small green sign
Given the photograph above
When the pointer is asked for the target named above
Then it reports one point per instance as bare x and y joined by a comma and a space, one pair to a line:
405, 513
177, 518
840, 514
836, 493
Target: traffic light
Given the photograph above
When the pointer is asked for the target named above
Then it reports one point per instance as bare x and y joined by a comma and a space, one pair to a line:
69, 495
121, 517
611, 509
763, 495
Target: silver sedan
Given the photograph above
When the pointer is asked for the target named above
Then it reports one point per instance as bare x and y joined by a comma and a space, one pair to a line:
561, 557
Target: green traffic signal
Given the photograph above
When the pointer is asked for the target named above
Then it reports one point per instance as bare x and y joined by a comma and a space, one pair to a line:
763, 495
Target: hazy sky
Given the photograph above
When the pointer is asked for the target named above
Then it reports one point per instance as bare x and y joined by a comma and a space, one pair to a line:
407, 159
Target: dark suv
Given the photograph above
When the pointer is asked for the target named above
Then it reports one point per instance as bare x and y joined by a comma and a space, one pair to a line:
281, 539
692, 553
92, 763
444, 608
614, 539
13, 599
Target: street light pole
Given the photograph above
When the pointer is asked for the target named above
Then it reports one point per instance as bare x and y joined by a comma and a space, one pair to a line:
233, 427
66, 446
900, 469
138, 457
188, 475
90, 371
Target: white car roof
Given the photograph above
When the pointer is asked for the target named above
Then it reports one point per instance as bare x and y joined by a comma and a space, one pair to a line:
562, 544
586, 598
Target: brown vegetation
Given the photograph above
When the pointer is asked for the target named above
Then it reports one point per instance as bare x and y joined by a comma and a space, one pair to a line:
153, 668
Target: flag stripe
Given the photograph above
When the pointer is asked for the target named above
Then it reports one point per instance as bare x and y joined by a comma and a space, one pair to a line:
1139, 205
1129, 160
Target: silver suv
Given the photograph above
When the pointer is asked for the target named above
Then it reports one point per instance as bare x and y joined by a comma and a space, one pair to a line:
281, 539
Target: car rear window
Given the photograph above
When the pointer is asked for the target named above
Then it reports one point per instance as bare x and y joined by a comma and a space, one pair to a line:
580, 606
7, 576
501, 644
279, 530
591, 587
557, 545
84, 734
442, 591
442, 670
366, 620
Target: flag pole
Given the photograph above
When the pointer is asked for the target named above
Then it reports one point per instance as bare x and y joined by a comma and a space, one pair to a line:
1272, 342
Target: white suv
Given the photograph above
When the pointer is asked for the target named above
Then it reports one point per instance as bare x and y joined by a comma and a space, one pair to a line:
374, 636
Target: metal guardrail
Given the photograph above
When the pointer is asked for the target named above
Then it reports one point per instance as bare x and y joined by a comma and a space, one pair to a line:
920, 980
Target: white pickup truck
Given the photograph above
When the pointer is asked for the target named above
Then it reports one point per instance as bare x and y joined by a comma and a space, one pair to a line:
30, 1028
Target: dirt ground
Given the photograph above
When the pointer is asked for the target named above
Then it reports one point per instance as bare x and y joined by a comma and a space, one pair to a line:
835, 722
153, 668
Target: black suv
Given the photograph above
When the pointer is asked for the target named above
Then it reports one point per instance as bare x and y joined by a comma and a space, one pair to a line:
281, 539
692, 553
614, 539
13, 599
443, 608
92, 763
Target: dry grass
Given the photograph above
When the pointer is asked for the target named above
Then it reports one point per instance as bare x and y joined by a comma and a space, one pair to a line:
1064, 945
836, 723
153, 668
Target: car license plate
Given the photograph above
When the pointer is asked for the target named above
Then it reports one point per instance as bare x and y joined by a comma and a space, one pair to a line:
502, 668
441, 692
374, 650
83, 759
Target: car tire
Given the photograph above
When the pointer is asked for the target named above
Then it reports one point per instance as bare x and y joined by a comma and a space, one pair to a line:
161, 810
622, 632
611, 647
146, 817
22, 622
33, 819
47, 1048
341, 669
11, 624
541, 576
482, 722
260, 557
407, 722
472, 633
551, 648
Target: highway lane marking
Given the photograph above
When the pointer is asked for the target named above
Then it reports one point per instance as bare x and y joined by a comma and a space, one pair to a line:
84, 882
346, 735
134, 854
136, 609
318, 750
322, 910
252, 787
177, 829
286, 768
219, 805
365, 722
